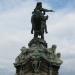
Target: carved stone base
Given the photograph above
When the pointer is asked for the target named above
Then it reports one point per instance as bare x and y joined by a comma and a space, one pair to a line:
38, 42
38, 59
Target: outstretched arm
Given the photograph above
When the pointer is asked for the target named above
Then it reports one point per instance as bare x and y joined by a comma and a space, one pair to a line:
46, 10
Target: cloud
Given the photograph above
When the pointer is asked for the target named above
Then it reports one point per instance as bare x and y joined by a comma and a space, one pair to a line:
15, 26
67, 67
60, 4
61, 32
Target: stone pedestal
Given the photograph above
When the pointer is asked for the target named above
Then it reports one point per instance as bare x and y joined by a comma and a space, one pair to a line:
38, 59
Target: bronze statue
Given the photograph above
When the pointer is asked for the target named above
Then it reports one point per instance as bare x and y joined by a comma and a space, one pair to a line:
38, 59
38, 21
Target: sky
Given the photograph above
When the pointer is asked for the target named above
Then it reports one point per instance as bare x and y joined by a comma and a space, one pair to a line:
15, 27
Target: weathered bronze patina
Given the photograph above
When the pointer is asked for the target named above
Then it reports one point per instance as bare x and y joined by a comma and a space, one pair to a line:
38, 59
38, 21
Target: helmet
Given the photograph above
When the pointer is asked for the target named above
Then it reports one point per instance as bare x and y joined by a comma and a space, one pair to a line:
39, 4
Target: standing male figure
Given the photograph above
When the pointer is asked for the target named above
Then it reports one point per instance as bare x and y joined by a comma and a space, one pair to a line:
41, 12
